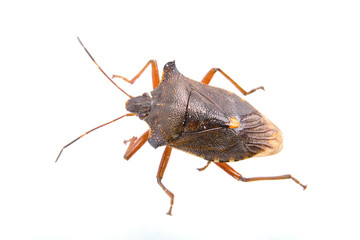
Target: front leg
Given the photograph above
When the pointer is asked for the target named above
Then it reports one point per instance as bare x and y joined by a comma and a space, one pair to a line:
135, 144
154, 72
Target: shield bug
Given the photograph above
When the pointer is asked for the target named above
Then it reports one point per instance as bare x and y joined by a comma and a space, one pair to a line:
208, 122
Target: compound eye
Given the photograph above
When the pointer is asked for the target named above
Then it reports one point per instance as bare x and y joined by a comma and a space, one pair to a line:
142, 116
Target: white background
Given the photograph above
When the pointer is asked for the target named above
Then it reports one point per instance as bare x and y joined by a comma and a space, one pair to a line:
305, 54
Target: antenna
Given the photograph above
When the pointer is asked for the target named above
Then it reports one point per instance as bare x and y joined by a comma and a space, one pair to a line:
126, 115
102, 70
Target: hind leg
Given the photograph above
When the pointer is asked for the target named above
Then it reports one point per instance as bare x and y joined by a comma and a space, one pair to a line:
210, 74
229, 170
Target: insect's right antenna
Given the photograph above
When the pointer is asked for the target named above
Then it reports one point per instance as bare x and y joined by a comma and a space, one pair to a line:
102, 70
129, 114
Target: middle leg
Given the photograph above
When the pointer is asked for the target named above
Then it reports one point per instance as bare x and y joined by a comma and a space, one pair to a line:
163, 163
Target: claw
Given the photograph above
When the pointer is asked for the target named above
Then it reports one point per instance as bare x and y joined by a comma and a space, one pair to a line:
204, 167
131, 140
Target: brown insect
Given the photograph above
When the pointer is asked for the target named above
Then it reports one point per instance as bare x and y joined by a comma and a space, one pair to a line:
209, 122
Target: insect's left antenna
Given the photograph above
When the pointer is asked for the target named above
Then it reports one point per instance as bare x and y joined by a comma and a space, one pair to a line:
101, 69
126, 115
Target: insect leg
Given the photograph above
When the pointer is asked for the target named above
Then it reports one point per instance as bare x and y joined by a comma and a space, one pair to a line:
239, 177
210, 74
204, 167
154, 71
135, 144
163, 163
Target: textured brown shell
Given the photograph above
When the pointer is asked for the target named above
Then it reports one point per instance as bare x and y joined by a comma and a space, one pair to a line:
195, 118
